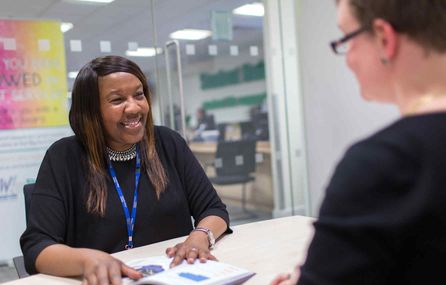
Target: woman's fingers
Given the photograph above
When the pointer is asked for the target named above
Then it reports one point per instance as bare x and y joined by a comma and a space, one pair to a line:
170, 251
192, 255
211, 257
108, 270
114, 275
280, 278
176, 260
129, 272
90, 280
190, 252
180, 254
287, 278
102, 274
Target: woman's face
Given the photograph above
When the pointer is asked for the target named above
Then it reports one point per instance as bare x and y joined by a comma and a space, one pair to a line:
363, 57
124, 109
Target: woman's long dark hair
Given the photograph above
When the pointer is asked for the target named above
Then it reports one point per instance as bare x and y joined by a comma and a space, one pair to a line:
86, 122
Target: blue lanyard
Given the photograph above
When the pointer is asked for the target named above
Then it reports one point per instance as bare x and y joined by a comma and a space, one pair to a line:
130, 220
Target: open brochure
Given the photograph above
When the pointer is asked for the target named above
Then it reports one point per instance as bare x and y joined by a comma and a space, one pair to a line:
156, 271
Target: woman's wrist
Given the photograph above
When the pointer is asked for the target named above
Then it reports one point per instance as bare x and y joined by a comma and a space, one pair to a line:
199, 237
209, 234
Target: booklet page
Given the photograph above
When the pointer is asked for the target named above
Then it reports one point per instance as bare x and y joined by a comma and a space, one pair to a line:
157, 271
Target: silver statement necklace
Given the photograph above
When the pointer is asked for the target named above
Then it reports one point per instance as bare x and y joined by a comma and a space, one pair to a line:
122, 155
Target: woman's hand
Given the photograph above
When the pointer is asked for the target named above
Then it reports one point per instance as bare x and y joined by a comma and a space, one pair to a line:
101, 268
287, 278
195, 247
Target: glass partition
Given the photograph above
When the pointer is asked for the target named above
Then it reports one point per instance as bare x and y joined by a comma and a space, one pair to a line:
206, 66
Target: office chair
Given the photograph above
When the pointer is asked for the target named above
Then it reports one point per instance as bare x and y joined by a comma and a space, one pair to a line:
234, 164
19, 262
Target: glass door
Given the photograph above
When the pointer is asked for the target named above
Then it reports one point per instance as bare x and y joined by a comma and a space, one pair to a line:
211, 88
207, 67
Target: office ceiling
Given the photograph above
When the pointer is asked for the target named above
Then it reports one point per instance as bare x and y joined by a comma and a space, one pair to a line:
124, 21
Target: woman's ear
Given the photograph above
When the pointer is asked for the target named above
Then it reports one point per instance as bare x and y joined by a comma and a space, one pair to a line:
387, 39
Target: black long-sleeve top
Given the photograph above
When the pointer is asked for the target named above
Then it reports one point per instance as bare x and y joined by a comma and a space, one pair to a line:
58, 213
383, 220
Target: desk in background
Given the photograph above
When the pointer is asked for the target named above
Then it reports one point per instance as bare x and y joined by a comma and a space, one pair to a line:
261, 195
267, 248
211, 147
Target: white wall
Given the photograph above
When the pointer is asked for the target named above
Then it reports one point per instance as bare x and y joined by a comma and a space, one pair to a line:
335, 115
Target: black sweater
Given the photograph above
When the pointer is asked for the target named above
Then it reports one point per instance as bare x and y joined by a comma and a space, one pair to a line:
383, 220
58, 213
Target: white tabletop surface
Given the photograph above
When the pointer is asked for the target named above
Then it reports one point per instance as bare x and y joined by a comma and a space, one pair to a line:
266, 248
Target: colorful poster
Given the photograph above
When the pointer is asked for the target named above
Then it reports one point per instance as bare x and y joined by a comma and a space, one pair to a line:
33, 97
33, 84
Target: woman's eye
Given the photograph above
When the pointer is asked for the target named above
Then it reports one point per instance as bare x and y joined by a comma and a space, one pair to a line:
116, 101
139, 94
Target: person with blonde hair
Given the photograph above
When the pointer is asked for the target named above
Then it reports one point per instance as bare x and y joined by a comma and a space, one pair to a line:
383, 219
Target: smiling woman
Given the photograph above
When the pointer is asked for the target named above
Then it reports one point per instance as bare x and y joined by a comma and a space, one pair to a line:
117, 159
103, 99
124, 108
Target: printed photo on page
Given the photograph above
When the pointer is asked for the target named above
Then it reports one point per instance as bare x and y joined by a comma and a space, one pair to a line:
156, 271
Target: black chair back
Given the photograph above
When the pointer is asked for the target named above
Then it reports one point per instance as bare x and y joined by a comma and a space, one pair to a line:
19, 262
27, 192
235, 158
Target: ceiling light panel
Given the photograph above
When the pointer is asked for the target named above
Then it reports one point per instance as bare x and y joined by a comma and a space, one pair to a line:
96, 1
144, 52
190, 34
65, 27
253, 9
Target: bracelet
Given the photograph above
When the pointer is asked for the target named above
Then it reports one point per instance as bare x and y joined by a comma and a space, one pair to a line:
209, 234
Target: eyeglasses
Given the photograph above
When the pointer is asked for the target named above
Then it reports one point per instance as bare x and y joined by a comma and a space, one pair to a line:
341, 46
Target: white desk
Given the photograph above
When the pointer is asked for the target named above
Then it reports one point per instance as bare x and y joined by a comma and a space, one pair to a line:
266, 247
